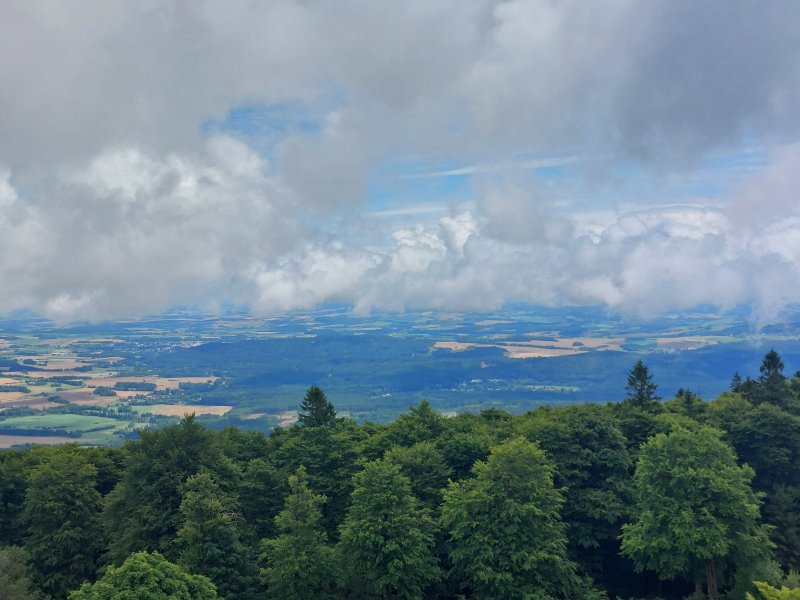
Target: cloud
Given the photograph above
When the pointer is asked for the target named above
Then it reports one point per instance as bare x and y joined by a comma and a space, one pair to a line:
126, 187
131, 233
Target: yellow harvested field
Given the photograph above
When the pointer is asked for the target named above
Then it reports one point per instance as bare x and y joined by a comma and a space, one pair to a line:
530, 352
6, 441
459, 346
610, 343
10, 396
255, 416
539, 348
10, 381
687, 342
178, 410
287, 419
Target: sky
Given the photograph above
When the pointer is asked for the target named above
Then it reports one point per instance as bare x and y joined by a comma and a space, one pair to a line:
427, 154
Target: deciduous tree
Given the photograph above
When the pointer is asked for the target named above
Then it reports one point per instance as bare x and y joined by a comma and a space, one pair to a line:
386, 539
592, 465
146, 576
16, 576
298, 563
209, 540
142, 512
61, 511
424, 466
508, 538
767, 592
696, 513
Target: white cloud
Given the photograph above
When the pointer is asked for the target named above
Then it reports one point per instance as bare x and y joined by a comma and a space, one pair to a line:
120, 192
134, 233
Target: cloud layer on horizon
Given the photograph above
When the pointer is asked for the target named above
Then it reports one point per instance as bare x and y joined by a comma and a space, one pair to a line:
124, 189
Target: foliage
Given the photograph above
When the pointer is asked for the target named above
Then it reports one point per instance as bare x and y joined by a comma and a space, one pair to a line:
695, 509
60, 509
330, 457
146, 576
771, 367
425, 468
767, 437
142, 512
386, 539
508, 537
262, 491
315, 409
592, 465
767, 592
16, 575
688, 404
640, 387
209, 539
299, 563
515, 517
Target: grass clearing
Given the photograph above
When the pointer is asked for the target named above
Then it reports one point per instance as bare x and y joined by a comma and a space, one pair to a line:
7, 441
73, 423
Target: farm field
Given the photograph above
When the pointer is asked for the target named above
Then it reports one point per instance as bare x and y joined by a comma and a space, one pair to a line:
99, 383
178, 410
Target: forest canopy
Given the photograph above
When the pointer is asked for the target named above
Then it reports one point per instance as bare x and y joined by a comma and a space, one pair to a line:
644, 498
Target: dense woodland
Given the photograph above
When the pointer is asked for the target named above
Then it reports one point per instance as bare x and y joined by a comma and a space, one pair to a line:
644, 498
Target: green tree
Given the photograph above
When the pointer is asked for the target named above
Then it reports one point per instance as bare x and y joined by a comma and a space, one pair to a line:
687, 403
422, 423
209, 540
767, 438
61, 511
242, 446
696, 513
640, 387
592, 466
146, 576
771, 367
467, 439
315, 409
424, 466
330, 457
15, 465
299, 564
782, 512
508, 538
16, 575
262, 493
637, 425
386, 541
767, 592
772, 387
142, 512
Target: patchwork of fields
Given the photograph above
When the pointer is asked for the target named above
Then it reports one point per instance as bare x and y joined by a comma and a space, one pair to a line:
100, 383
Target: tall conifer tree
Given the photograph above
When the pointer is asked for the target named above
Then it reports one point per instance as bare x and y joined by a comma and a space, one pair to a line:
315, 409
